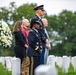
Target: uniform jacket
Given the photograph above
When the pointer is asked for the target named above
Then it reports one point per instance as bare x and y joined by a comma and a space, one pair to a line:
35, 45
42, 31
19, 43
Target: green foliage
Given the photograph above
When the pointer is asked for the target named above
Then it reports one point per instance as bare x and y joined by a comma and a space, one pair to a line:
4, 13
6, 52
24, 11
70, 71
62, 27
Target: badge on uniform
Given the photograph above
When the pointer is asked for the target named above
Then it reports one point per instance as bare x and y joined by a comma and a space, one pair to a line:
36, 47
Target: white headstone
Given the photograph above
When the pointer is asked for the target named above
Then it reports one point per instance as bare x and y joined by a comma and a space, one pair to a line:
45, 70
59, 61
51, 60
2, 60
65, 63
73, 61
16, 66
8, 63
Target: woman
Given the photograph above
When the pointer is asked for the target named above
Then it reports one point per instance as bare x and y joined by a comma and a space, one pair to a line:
20, 46
20, 41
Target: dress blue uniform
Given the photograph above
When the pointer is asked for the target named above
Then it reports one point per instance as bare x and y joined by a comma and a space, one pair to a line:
34, 47
42, 33
34, 43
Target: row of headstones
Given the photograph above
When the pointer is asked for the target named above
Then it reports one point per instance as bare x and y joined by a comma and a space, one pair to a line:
12, 63
62, 62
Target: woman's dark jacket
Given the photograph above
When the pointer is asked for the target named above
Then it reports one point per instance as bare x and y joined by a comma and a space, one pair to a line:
20, 41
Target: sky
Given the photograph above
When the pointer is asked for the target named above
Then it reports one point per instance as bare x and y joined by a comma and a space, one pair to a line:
52, 7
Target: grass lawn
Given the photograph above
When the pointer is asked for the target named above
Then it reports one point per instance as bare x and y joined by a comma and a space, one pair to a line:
3, 71
70, 71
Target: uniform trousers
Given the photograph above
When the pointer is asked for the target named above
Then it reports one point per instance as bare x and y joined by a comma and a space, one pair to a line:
42, 56
46, 55
34, 62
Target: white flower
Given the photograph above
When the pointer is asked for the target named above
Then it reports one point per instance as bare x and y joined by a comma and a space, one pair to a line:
5, 35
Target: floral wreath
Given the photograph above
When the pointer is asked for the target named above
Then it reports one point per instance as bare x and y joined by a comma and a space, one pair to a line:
5, 35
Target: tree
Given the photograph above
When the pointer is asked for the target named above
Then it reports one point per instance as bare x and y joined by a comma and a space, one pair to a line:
12, 14
61, 27
24, 11
64, 24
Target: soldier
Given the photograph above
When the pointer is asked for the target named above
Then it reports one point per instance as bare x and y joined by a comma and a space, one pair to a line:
39, 13
35, 46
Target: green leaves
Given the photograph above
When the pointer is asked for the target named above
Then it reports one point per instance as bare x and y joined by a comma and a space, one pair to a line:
62, 27
65, 25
